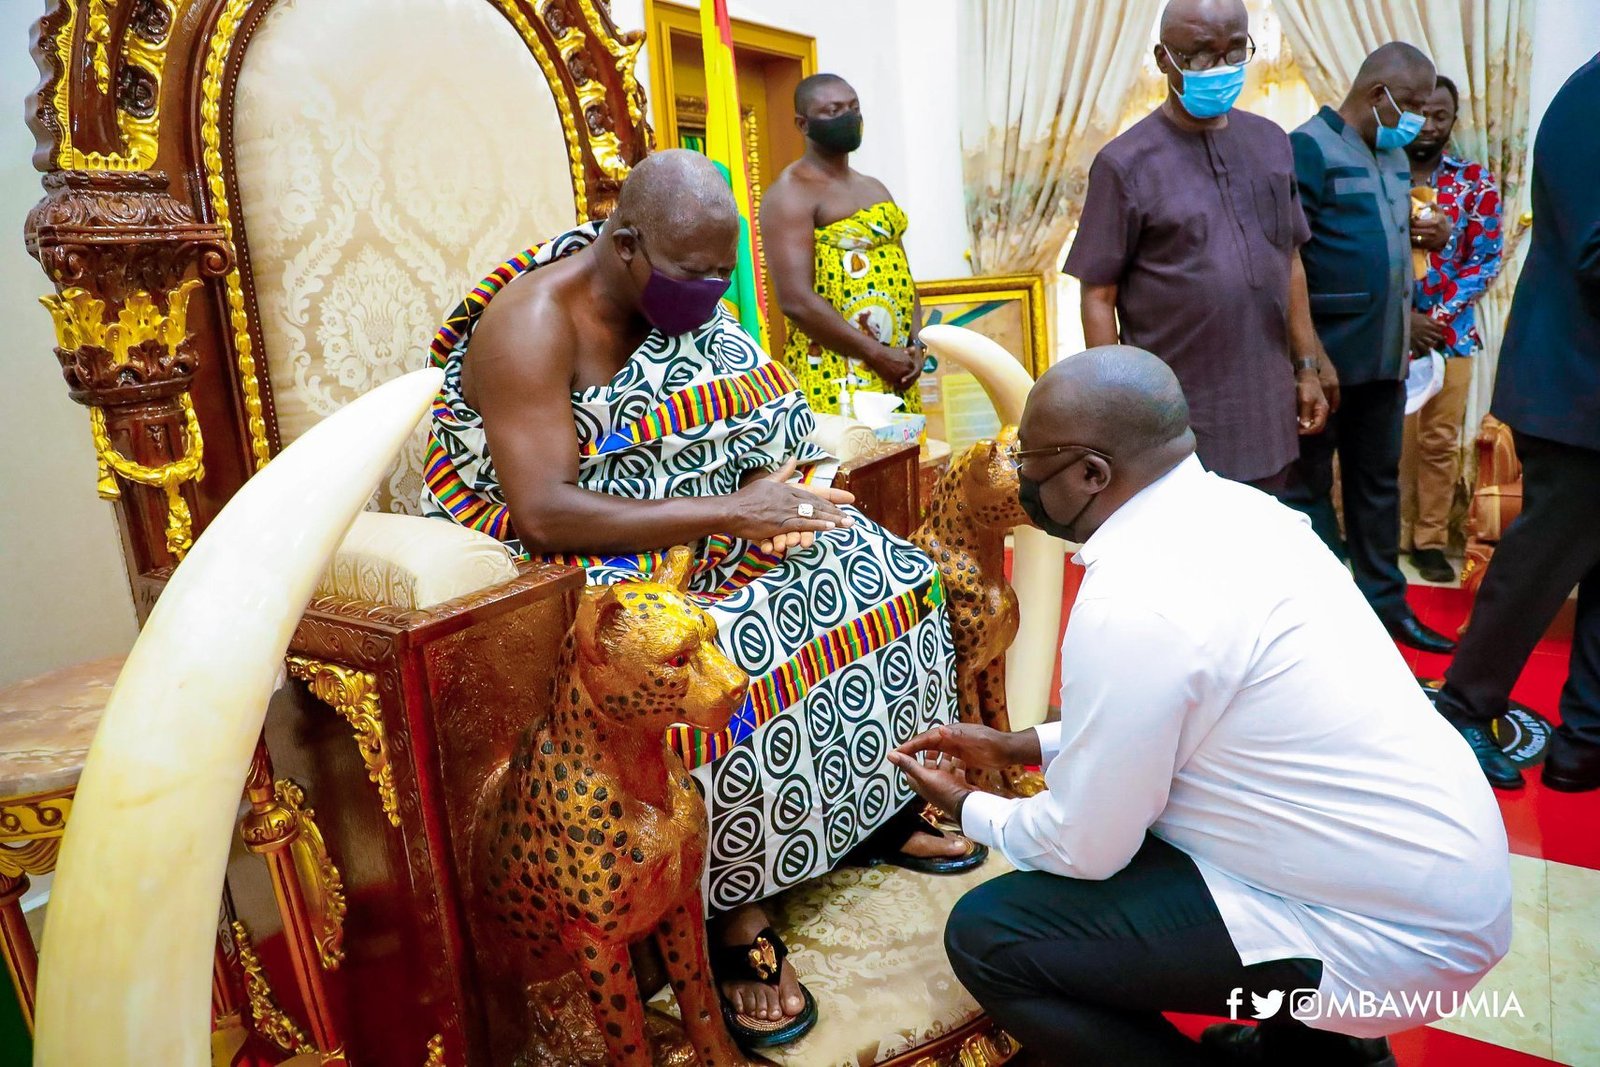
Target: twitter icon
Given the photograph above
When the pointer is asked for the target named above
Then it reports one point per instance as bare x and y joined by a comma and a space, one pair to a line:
1266, 1007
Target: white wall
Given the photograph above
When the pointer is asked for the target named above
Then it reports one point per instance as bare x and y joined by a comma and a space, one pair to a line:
1566, 35
63, 589
900, 55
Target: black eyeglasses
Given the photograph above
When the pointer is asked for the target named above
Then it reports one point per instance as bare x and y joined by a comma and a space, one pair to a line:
1018, 455
1198, 61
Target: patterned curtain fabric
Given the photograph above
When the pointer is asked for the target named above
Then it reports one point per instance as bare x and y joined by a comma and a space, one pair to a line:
1486, 47
1043, 85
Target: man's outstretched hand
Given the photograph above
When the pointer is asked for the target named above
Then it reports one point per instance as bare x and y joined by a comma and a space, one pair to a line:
978, 747
934, 762
937, 779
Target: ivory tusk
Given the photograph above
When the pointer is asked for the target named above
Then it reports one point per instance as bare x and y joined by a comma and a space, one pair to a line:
125, 973
1038, 561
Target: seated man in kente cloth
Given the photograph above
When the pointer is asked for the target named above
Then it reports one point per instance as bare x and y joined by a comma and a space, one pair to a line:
626, 411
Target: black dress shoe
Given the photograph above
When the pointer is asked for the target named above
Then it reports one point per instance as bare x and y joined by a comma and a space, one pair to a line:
1408, 630
1497, 766
1571, 767
1236, 1043
1433, 565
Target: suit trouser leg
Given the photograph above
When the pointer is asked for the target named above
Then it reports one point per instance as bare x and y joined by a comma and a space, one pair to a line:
1079, 971
1580, 697
1308, 485
1552, 546
1371, 420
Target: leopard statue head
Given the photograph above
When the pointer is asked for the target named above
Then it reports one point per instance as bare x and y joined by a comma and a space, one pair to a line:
648, 657
988, 483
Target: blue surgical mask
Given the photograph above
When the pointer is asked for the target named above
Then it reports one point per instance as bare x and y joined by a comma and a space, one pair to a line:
1401, 133
1210, 93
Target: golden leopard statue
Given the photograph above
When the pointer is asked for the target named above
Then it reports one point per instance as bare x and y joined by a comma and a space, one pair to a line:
974, 506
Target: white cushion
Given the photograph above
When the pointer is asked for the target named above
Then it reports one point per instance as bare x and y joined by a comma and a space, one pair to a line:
413, 563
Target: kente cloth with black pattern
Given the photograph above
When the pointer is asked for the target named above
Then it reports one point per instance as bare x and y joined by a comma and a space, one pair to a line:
847, 643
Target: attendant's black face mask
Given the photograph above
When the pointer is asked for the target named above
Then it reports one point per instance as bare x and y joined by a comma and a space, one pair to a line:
837, 133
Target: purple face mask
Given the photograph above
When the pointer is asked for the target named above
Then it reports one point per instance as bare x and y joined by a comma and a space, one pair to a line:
678, 305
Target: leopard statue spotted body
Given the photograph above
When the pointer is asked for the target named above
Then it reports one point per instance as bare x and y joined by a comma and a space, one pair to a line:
596, 836
974, 506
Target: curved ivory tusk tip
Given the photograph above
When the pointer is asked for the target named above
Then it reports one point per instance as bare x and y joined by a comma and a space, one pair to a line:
1000, 373
125, 972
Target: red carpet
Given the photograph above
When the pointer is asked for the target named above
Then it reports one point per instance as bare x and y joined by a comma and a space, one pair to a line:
1541, 823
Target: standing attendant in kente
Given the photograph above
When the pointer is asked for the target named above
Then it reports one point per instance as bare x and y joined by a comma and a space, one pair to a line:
1444, 319
1355, 189
832, 241
1189, 248
1547, 389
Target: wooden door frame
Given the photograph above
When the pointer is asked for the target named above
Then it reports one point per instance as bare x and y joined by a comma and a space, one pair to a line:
661, 17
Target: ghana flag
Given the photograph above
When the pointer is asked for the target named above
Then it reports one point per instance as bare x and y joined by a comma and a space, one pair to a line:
725, 147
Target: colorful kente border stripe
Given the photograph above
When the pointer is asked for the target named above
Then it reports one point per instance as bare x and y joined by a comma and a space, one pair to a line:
461, 319
825, 654
465, 505
699, 405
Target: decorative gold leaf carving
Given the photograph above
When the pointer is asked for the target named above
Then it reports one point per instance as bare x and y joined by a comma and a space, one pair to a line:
354, 695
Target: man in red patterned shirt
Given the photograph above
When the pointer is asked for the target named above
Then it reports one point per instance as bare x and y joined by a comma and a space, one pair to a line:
1444, 320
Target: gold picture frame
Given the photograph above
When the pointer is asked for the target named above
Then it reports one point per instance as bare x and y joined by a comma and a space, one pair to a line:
1007, 308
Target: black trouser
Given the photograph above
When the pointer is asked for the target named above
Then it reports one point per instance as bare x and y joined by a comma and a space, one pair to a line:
1366, 432
1080, 971
1551, 547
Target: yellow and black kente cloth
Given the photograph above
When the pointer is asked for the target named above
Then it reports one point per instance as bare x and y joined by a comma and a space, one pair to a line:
862, 272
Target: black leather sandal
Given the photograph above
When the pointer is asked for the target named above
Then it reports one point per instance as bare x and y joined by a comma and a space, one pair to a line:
887, 844
759, 961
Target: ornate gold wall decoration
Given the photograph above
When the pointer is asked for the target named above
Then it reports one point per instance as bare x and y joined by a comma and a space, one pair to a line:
216, 61
354, 695
271, 1021
131, 68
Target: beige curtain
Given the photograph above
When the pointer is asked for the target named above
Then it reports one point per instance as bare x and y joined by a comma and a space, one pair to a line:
1043, 85
1486, 47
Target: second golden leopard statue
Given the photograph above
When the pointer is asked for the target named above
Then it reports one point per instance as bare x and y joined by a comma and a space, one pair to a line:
595, 837
974, 506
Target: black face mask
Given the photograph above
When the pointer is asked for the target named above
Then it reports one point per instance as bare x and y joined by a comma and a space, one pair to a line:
1028, 496
840, 133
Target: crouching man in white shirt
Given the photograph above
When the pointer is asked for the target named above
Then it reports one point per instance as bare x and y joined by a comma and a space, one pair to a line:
1249, 794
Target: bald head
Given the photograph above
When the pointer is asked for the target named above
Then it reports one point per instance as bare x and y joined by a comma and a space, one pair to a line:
1398, 71
1393, 62
1215, 17
671, 191
1118, 399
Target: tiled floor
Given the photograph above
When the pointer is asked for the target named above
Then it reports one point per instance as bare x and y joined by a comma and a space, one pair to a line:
1554, 963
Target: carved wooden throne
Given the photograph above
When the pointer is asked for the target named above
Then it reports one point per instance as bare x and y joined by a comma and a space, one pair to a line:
254, 211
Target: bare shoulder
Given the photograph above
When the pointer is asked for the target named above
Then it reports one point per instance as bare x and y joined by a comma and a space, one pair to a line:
525, 334
792, 190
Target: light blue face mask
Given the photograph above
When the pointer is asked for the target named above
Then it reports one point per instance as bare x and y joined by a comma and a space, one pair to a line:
1401, 133
1209, 93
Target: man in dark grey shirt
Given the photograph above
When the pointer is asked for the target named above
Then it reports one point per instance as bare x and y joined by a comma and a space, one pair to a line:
1189, 248
1355, 186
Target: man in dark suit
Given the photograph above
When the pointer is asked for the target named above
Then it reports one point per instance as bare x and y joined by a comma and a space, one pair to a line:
1548, 392
1355, 186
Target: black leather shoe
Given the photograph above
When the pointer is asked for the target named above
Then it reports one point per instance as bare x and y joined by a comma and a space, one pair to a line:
1497, 766
1571, 767
1408, 630
1433, 565
1236, 1043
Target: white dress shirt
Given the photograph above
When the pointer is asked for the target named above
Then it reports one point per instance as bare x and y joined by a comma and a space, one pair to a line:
1225, 687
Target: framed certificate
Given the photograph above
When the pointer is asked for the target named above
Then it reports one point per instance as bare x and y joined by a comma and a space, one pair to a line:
1007, 308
